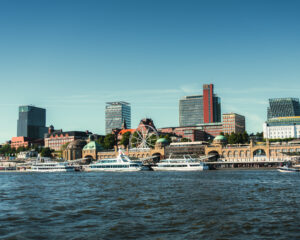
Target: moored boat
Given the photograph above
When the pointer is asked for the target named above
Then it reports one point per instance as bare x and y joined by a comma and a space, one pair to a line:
289, 169
120, 164
180, 164
51, 167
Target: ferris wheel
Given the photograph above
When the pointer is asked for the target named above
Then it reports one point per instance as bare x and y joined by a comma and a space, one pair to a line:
145, 136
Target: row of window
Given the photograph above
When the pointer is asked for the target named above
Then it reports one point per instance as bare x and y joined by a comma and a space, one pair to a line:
115, 166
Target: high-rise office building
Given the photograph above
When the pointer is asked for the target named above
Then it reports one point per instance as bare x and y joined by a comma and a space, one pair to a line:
283, 107
200, 109
31, 122
116, 114
191, 110
233, 123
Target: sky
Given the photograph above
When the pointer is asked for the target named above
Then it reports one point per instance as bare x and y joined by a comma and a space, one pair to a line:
71, 57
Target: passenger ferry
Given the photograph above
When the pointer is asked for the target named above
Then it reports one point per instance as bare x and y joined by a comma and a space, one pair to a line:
120, 164
51, 167
180, 164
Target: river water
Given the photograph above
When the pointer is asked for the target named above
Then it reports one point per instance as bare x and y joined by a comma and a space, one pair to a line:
150, 205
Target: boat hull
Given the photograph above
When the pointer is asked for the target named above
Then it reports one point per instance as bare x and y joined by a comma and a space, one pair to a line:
288, 170
51, 170
113, 169
183, 169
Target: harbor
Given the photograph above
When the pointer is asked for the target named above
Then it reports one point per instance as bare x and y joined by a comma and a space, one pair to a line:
205, 204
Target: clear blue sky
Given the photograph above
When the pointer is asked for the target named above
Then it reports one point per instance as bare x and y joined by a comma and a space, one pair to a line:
70, 57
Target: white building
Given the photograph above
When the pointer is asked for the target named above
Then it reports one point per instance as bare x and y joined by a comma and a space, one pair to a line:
27, 154
282, 127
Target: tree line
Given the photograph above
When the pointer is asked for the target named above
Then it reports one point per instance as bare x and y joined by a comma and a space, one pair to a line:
7, 150
237, 138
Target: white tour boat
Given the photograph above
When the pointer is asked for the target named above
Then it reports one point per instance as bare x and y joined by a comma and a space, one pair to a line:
120, 164
51, 167
180, 164
295, 168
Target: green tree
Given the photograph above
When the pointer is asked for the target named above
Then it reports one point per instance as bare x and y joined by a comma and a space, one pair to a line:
245, 137
185, 140
100, 140
168, 138
152, 140
233, 138
21, 149
239, 138
109, 141
46, 152
134, 138
125, 139
7, 150
227, 136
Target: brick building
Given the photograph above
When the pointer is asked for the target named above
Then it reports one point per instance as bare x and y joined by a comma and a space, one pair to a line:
192, 133
233, 123
211, 129
56, 138
17, 142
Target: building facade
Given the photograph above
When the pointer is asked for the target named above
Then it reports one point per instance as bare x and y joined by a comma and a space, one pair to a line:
282, 127
74, 150
260, 152
283, 107
91, 150
199, 109
17, 142
192, 133
116, 114
191, 110
233, 123
211, 129
211, 105
54, 140
182, 149
31, 122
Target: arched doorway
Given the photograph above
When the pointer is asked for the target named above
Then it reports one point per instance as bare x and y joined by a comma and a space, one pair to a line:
215, 156
156, 157
259, 153
88, 159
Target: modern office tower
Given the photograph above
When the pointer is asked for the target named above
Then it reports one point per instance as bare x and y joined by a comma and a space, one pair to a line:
233, 123
211, 105
283, 107
190, 110
116, 114
200, 109
31, 122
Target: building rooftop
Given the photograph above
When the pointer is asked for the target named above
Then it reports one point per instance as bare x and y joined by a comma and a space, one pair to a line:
118, 103
282, 119
93, 146
162, 140
220, 137
191, 97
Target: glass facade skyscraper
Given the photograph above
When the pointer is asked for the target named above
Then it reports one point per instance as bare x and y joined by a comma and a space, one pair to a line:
200, 109
31, 122
116, 113
191, 110
283, 107
217, 109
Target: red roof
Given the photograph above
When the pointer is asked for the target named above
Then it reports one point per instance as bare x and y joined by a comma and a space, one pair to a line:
126, 130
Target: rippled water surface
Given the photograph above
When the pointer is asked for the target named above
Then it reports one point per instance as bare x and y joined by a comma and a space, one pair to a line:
150, 205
